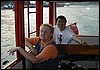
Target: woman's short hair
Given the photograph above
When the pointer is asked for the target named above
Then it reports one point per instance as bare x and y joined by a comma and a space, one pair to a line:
49, 25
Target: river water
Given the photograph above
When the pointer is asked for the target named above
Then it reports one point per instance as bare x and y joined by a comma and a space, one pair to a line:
87, 18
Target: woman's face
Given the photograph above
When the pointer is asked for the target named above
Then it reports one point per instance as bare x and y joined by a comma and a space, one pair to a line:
61, 24
45, 33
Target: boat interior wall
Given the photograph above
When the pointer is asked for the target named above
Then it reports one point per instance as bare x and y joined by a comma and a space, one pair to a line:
91, 40
18, 66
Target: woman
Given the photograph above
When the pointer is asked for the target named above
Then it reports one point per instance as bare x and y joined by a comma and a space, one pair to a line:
44, 54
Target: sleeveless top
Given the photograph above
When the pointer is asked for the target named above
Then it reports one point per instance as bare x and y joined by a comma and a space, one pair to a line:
47, 64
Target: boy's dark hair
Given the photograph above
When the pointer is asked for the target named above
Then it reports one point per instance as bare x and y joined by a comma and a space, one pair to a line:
61, 17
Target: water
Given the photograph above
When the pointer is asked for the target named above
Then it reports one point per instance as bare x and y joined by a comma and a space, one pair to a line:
87, 18
7, 34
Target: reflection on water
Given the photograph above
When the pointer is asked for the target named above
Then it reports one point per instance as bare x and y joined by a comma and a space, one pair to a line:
87, 19
7, 35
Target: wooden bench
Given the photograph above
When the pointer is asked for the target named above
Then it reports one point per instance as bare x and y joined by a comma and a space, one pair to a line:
77, 49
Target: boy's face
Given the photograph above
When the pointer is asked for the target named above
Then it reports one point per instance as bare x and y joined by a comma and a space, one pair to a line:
61, 24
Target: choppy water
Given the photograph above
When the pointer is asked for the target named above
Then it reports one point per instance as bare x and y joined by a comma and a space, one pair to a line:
87, 18
88, 15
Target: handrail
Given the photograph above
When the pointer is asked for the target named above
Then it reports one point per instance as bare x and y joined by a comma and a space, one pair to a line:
33, 32
12, 64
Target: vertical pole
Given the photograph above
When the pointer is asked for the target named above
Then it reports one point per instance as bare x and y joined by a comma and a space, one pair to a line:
52, 12
39, 15
19, 28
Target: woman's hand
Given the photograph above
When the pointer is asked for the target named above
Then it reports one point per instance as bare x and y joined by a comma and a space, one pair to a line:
12, 50
33, 50
27, 42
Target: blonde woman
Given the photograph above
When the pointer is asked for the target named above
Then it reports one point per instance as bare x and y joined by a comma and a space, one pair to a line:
44, 54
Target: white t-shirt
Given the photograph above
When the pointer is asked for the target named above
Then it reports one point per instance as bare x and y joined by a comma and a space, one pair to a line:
66, 35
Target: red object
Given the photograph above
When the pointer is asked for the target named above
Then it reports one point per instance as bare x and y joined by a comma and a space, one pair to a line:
74, 28
51, 12
39, 15
60, 38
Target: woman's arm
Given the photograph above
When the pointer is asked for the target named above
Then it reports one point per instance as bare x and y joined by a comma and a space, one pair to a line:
27, 43
30, 46
28, 56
